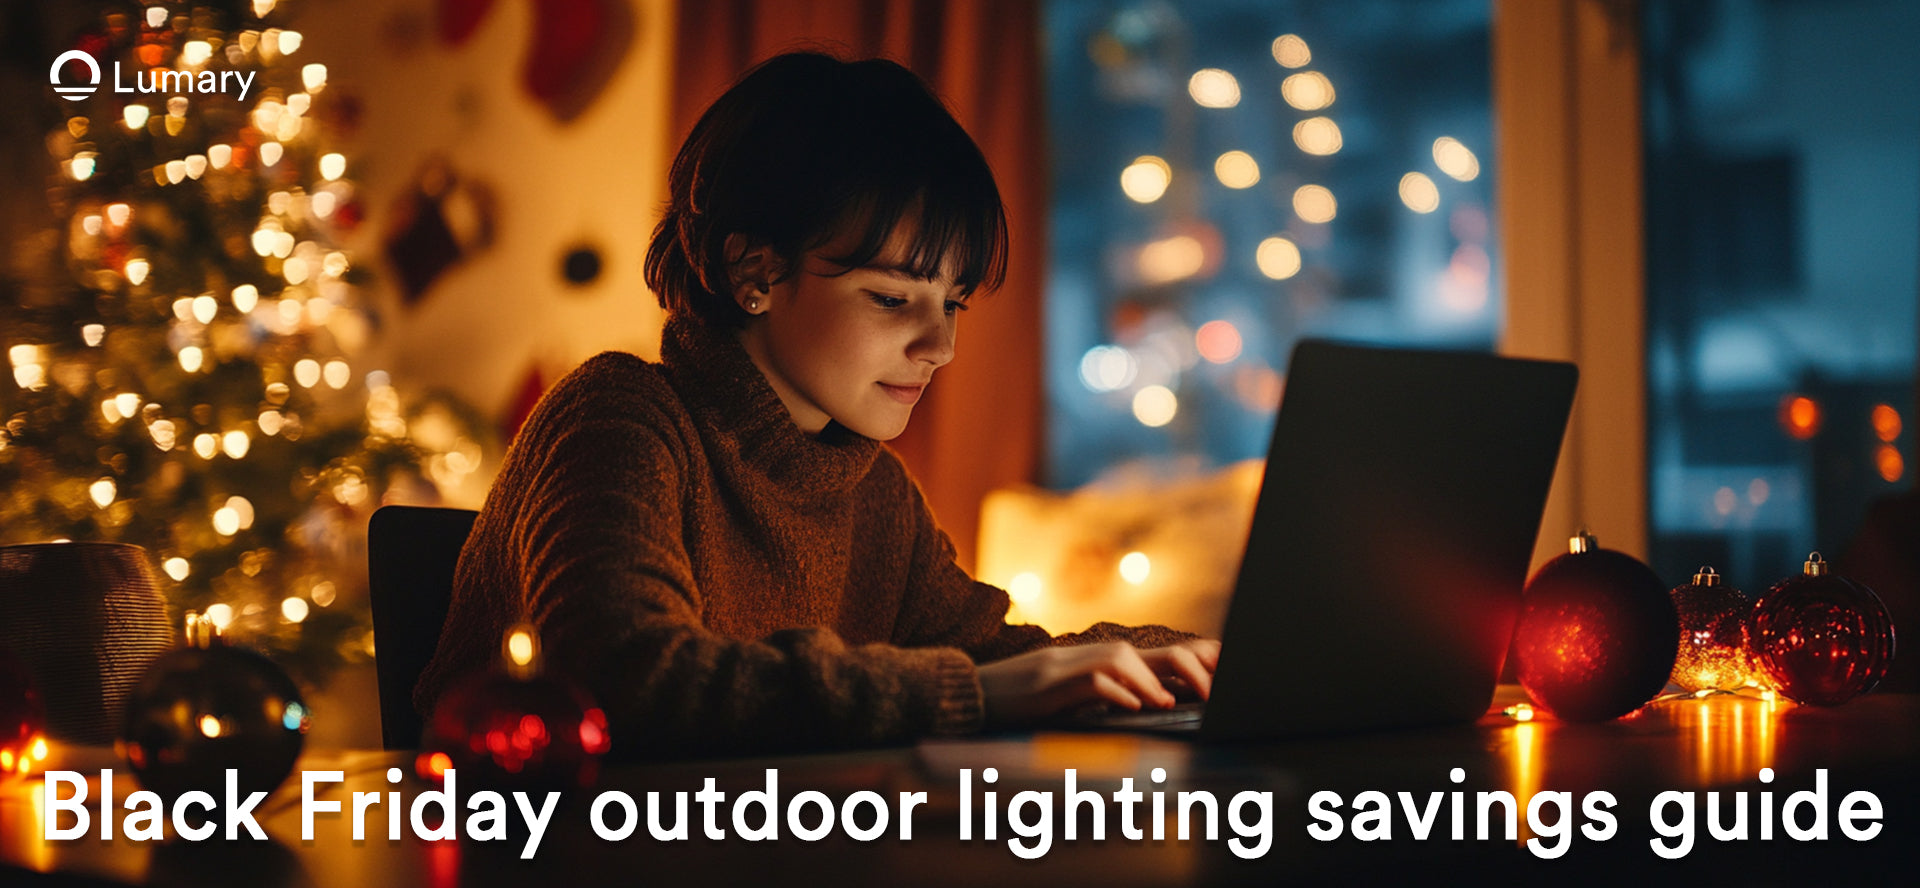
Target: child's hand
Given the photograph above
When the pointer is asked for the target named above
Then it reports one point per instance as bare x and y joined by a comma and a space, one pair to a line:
1032, 686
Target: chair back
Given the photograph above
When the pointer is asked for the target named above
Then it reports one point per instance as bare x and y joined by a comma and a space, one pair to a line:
411, 553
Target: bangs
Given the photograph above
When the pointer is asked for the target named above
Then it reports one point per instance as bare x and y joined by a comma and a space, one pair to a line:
946, 231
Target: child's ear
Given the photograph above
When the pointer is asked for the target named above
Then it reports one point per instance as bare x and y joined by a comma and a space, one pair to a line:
752, 270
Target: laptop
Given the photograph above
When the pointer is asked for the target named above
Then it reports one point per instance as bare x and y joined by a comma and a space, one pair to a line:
1381, 581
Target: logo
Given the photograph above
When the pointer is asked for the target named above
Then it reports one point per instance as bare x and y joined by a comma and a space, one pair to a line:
75, 93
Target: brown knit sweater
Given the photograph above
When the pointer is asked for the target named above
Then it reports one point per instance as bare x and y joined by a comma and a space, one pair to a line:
720, 580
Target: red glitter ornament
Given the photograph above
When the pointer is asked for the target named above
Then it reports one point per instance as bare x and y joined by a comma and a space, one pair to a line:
514, 728
1597, 634
1820, 637
1713, 635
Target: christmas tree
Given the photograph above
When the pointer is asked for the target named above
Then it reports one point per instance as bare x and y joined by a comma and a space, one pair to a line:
183, 372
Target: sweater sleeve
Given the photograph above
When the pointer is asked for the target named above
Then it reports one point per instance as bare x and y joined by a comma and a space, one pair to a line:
948, 607
604, 570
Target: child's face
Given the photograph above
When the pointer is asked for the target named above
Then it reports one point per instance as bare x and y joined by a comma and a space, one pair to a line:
857, 348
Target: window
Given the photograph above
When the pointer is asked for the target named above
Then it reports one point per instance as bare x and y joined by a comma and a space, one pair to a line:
1229, 177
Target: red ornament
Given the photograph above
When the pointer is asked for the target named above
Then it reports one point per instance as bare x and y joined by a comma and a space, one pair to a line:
23, 718
514, 728
1822, 638
1597, 634
1713, 635
204, 708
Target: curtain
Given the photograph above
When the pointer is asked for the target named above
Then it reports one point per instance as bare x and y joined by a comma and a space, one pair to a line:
979, 426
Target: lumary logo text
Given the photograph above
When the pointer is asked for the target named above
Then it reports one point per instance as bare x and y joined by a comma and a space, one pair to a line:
155, 81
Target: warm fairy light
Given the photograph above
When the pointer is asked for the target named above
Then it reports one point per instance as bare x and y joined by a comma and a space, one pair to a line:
1455, 159
81, 166
206, 445
1025, 588
1146, 179
279, 202
103, 492
294, 609
1155, 406
210, 726
137, 271
183, 309
156, 17
1213, 88
196, 53
1887, 458
1107, 368
235, 444
1419, 193
1134, 567
135, 115
221, 615
226, 522
433, 766
1520, 712
1886, 422
290, 311
119, 214
1291, 51
1801, 416
39, 749
1307, 90
1177, 257
270, 153
322, 593
337, 373
323, 203
1237, 169
295, 270
270, 422
288, 128
1278, 258
93, 334
205, 307
1314, 203
127, 403
1317, 135
335, 264
91, 224
262, 7
245, 297
521, 647
196, 165
314, 77
299, 103
191, 358
175, 171
289, 42
220, 156
306, 372
176, 567
163, 434
333, 166
1217, 341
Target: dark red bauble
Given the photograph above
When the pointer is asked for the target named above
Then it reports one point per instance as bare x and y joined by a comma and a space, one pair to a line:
197, 712
1597, 634
23, 718
1713, 635
1820, 637
507, 733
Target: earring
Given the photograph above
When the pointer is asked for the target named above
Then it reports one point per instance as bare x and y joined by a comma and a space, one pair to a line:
753, 303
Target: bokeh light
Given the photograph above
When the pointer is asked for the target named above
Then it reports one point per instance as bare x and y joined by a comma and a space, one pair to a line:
1146, 179
1317, 136
1291, 51
1307, 90
1315, 203
1419, 193
1237, 169
1278, 258
1155, 406
1213, 88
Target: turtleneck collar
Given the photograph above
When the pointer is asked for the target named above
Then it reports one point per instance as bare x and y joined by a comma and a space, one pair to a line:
726, 392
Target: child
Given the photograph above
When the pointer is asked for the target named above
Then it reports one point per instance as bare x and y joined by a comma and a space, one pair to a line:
717, 545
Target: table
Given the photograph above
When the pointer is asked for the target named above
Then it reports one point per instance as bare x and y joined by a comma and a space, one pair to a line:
1719, 743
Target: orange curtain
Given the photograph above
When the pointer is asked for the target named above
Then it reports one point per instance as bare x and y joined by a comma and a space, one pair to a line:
979, 426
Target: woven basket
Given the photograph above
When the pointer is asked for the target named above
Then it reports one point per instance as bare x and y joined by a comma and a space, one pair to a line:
86, 618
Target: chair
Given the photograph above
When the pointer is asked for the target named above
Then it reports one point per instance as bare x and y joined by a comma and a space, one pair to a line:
411, 552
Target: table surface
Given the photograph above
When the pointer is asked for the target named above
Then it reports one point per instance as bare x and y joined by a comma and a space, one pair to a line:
1718, 743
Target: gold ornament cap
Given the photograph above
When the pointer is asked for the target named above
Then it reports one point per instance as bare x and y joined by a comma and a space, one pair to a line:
1582, 543
201, 631
1816, 566
520, 651
1706, 576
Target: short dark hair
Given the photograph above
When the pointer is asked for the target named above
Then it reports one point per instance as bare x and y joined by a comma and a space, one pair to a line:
807, 148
